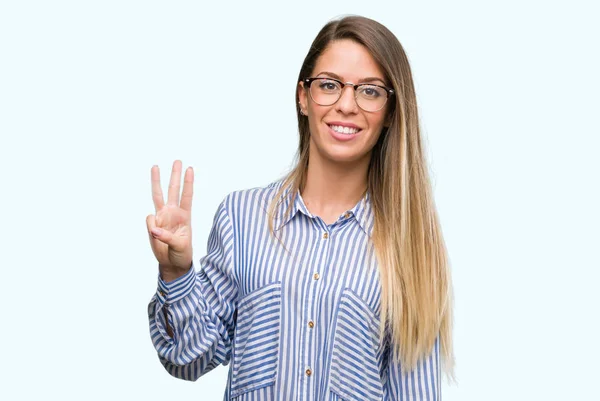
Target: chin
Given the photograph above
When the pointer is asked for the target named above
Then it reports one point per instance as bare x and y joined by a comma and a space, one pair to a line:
343, 157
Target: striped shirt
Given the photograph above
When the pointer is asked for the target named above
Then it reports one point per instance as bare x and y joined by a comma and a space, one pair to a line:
301, 324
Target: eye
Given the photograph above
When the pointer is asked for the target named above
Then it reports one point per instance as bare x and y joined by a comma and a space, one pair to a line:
327, 85
370, 92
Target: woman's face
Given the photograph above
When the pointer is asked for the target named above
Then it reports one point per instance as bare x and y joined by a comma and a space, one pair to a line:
346, 61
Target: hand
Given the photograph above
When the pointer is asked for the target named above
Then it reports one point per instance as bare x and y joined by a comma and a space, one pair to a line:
170, 230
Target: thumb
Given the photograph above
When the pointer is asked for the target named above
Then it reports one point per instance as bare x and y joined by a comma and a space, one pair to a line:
160, 234
166, 237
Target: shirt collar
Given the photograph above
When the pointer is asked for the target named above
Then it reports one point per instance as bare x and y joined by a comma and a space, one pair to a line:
281, 218
362, 211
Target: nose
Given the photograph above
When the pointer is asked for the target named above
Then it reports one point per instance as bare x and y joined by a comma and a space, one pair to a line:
346, 104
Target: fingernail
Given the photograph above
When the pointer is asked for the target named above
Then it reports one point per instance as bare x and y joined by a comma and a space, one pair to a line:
156, 232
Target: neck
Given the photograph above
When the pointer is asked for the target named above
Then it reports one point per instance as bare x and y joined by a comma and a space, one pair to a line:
332, 188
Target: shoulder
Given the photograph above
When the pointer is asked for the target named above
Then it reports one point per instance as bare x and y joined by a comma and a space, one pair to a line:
250, 200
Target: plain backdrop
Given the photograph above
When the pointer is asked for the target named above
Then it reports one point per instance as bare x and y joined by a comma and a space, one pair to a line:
93, 93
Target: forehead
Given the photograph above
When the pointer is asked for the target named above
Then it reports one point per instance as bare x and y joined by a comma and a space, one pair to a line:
348, 59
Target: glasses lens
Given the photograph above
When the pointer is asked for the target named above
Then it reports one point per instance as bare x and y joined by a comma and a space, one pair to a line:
370, 97
325, 92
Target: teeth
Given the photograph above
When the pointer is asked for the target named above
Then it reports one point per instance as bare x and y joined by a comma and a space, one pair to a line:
344, 130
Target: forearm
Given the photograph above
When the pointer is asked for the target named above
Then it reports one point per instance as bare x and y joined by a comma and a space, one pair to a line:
189, 337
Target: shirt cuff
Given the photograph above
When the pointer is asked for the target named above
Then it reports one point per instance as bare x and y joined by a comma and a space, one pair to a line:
173, 291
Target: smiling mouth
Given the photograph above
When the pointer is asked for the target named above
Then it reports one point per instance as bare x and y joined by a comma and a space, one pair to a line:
344, 130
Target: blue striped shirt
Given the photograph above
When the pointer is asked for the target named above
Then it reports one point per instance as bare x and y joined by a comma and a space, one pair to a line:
298, 325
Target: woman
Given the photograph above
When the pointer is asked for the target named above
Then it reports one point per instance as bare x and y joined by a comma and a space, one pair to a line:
333, 282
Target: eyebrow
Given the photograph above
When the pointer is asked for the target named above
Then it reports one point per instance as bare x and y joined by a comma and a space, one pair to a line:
363, 80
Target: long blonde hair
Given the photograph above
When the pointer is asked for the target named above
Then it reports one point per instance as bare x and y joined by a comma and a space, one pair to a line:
416, 289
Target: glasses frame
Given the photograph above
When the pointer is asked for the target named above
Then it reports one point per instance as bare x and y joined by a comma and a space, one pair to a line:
308, 81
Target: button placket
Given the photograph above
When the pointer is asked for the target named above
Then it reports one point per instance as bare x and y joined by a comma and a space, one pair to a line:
313, 289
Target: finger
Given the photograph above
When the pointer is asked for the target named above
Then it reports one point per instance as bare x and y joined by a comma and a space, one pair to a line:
157, 194
188, 190
175, 184
163, 235
167, 237
150, 224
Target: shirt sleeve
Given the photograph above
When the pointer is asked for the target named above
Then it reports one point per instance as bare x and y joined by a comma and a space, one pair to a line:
420, 384
200, 308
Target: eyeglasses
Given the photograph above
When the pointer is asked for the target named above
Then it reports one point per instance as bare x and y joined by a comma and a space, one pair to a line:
327, 91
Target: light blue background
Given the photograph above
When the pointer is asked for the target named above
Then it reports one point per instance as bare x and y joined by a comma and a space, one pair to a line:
92, 94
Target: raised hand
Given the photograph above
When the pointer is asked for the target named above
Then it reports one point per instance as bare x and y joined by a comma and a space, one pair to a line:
170, 229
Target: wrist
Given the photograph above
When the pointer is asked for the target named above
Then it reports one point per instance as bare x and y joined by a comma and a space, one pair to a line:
169, 273
172, 288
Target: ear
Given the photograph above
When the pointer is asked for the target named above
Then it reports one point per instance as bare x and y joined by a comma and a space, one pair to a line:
302, 97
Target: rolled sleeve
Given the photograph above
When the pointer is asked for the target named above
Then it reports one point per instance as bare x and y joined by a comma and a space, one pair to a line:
172, 291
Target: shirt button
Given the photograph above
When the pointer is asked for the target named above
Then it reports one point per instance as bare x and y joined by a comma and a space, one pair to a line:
316, 276
308, 372
347, 215
325, 235
162, 293
311, 324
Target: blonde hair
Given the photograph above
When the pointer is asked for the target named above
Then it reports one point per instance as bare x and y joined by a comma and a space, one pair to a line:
416, 289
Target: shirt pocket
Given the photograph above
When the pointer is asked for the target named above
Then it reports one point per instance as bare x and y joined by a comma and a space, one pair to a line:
256, 341
355, 372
